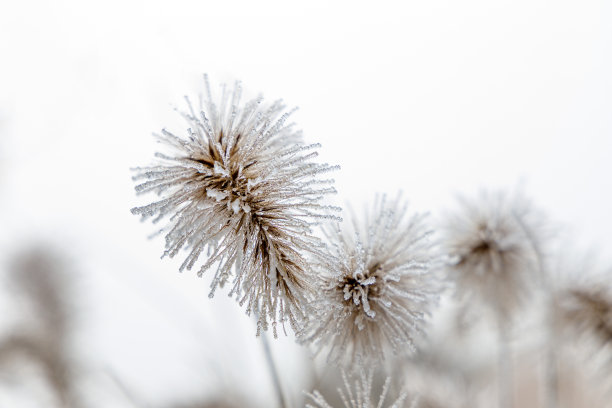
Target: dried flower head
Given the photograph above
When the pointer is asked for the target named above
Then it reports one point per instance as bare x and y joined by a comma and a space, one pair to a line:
359, 395
495, 248
376, 287
242, 186
587, 310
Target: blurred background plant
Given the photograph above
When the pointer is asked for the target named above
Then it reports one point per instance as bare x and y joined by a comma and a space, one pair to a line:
40, 282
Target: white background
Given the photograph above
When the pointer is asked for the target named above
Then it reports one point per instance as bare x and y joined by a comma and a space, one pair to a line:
432, 97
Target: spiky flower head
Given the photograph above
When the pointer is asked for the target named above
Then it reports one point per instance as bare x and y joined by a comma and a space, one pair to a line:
586, 310
495, 247
376, 287
357, 393
241, 187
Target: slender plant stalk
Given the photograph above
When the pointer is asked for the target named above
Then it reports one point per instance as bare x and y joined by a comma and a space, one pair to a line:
552, 371
552, 383
273, 371
504, 361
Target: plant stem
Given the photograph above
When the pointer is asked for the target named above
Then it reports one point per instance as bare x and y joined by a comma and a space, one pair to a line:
506, 385
552, 371
273, 370
552, 384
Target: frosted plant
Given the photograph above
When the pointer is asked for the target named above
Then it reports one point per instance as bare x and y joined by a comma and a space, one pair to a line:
377, 288
586, 309
359, 395
241, 187
494, 243
495, 252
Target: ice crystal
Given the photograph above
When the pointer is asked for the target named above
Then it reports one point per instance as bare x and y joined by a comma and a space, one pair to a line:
241, 187
359, 395
495, 247
376, 290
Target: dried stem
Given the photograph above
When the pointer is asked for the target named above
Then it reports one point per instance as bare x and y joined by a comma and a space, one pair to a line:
551, 381
552, 373
273, 371
504, 361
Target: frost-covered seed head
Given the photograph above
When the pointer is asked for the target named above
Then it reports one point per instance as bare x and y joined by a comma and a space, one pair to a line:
495, 246
587, 311
357, 393
375, 288
241, 187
